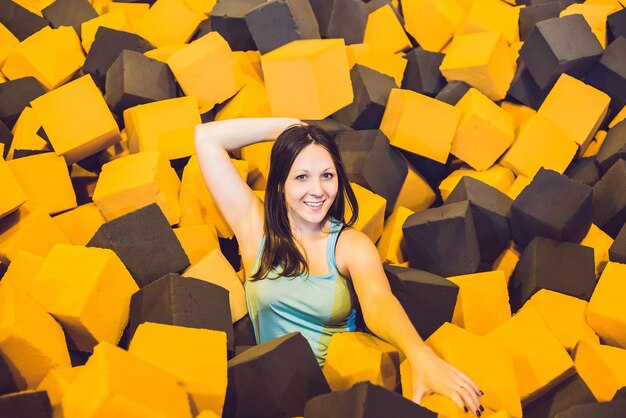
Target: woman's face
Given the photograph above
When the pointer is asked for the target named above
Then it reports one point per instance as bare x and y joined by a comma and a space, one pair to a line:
311, 187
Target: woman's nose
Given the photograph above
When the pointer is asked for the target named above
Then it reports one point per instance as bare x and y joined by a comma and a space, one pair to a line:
316, 188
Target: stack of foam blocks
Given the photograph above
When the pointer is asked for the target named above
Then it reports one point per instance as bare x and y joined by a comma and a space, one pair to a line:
486, 144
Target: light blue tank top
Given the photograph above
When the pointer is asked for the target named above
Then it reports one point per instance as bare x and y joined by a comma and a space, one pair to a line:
316, 306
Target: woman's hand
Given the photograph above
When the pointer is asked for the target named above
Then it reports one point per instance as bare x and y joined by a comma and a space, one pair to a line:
431, 374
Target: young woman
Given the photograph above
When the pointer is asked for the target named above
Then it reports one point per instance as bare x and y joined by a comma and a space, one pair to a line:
299, 252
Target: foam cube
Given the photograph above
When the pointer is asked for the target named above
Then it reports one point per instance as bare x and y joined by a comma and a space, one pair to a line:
601, 244
9, 42
371, 212
345, 19
433, 22
390, 64
69, 13
525, 89
312, 68
22, 271
595, 14
617, 251
80, 224
481, 60
603, 313
609, 205
571, 392
483, 301
127, 385
507, 260
168, 22
520, 113
145, 243
613, 147
52, 56
35, 404
422, 73
415, 194
116, 19
436, 124
28, 332
602, 367
197, 240
12, 195
584, 170
452, 92
165, 125
56, 383
207, 69
391, 245
384, 30
19, 20
533, 13
129, 183
492, 16
195, 357
26, 136
215, 268
228, 19
258, 158
250, 102
497, 176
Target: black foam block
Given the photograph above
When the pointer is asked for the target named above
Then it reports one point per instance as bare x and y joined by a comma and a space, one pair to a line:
613, 148
530, 15
331, 126
274, 379
347, 19
230, 249
19, 21
491, 210
563, 267
373, 5
524, 89
208, 116
182, 301
609, 199
78, 358
452, 92
371, 162
135, 79
228, 18
613, 409
28, 404
106, 47
15, 95
549, 51
6, 138
609, 73
620, 394
422, 72
145, 242
617, 251
371, 93
21, 153
585, 170
244, 332
616, 25
278, 22
552, 206
427, 299
69, 13
364, 400
7, 383
322, 10
573, 391
203, 28
442, 240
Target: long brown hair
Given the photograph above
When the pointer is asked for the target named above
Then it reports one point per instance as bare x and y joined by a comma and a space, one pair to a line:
280, 249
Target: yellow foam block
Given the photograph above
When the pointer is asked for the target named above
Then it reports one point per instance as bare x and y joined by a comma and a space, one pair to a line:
492, 16
88, 291
355, 50
31, 342
214, 268
8, 42
415, 194
600, 242
258, 157
197, 240
201, 6
195, 357
12, 195
56, 383
165, 125
115, 151
605, 313
32, 6
25, 136
22, 270
250, 102
29, 229
129, 183
353, 357
496, 176
308, 78
483, 301
576, 108
602, 367
197, 205
45, 180
52, 56
384, 62
432, 22
114, 383
487, 363
446, 408
595, 15
565, 315
134, 11
76, 119
168, 22
100, 6
539, 143
385, 32
164, 53
250, 63
507, 260
519, 112
482, 60
514, 50
116, 19
621, 115
595, 144
541, 362
420, 124
371, 212
80, 224
391, 246
484, 132
207, 414
520, 183
207, 69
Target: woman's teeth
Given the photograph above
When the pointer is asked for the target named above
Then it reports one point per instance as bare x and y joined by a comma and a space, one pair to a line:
313, 205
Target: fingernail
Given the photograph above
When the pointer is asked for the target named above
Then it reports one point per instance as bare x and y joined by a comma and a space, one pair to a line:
480, 392
465, 408
477, 413
482, 409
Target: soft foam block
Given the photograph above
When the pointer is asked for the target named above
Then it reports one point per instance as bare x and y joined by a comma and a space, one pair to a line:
602, 367
168, 22
32, 404
572, 391
197, 240
391, 245
15, 96
69, 13
12, 195
80, 224
228, 19
19, 20
497, 176
613, 147
433, 22
605, 313
609, 74
371, 212
609, 203
617, 251
422, 73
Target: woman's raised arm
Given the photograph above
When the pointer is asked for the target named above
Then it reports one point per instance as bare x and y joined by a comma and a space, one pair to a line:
241, 208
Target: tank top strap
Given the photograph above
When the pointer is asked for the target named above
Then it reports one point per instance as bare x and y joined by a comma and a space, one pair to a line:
333, 236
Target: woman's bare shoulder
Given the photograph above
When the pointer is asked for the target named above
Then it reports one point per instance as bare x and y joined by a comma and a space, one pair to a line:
353, 246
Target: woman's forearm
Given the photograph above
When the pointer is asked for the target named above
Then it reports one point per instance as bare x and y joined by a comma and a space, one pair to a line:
236, 133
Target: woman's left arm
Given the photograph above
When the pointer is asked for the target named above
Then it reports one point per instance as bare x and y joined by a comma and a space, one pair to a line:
386, 317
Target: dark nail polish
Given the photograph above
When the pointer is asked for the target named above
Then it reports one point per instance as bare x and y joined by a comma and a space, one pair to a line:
465, 408
482, 409
480, 392
477, 413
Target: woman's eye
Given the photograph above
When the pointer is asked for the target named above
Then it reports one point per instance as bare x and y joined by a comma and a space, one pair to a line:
328, 175
301, 177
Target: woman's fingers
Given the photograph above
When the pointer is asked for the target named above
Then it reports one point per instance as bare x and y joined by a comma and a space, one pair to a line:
469, 399
469, 383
